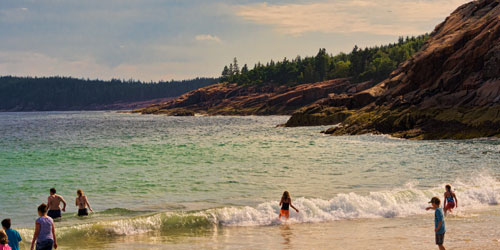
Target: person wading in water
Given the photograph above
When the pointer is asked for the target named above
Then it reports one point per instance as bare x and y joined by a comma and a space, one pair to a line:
450, 200
286, 203
82, 203
54, 204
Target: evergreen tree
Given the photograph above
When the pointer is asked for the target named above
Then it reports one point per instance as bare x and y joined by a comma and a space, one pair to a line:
244, 70
309, 73
322, 60
225, 73
236, 68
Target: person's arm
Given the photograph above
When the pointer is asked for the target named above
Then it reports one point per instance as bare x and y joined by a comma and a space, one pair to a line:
428, 208
76, 202
64, 203
439, 226
54, 235
18, 237
48, 202
88, 204
296, 210
281, 201
35, 235
444, 203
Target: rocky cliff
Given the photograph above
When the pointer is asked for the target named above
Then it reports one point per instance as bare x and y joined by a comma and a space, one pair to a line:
450, 89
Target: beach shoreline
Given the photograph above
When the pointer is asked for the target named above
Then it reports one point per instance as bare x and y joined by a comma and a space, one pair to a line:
413, 232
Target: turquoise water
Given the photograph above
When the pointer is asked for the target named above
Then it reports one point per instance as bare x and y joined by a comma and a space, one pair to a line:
226, 170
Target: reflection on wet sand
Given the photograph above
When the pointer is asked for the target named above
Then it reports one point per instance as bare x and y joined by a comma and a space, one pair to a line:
287, 234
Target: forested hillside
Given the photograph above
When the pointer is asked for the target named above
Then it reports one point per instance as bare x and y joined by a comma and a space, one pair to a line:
374, 63
62, 93
286, 86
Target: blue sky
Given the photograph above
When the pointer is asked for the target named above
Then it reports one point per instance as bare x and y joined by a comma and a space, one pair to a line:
175, 39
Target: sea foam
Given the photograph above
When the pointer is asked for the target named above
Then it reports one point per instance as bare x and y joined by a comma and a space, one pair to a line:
475, 193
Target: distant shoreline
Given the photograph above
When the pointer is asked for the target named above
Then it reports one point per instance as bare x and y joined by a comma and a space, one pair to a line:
118, 106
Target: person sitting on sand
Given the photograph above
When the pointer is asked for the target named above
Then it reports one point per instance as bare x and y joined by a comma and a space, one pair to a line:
54, 204
286, 203
82, 203
45, 231
450, 200
439, 227
4, 241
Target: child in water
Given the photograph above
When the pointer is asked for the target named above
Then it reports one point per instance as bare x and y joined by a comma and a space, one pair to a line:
286, 203
450, 200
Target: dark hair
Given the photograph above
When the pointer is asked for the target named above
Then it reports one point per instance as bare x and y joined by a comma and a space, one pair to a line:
79, 192
286, 195
4, 240
53, 190
436, 200
6, 223
43, 208
448, 187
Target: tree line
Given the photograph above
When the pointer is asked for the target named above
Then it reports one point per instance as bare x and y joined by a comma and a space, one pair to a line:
66, 93
375, 63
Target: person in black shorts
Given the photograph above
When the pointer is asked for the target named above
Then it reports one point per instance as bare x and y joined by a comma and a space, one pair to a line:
54, 204
82, 203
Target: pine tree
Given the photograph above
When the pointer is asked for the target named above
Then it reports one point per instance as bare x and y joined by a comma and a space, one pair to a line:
236, 68
244, 70
225, 73
231, 69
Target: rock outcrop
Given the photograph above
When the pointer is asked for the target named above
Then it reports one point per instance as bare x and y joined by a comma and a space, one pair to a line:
232, 99
450, 89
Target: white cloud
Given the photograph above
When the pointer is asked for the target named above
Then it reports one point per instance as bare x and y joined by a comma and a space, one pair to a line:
207, 37
381, 17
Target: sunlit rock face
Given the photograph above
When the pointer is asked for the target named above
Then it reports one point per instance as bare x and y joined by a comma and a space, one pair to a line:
450, 89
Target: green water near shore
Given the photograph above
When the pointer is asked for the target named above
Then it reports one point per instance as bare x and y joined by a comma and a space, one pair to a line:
229, 171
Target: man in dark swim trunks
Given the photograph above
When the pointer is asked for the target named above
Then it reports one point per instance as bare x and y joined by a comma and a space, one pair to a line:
54, 204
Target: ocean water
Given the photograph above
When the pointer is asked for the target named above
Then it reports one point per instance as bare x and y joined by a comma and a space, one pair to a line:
160, 182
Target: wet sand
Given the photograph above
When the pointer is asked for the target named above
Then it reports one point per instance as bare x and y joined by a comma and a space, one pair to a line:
467, 230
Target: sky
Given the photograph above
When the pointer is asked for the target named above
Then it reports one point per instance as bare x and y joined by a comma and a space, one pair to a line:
152, 40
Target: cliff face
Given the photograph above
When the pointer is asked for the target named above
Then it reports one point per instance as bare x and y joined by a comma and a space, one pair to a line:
460, 66
450, 89
231, 99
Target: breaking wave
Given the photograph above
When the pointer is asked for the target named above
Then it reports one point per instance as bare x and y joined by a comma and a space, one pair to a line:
476, 193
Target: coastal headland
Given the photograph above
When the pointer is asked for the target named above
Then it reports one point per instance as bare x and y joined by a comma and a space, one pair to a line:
448, 89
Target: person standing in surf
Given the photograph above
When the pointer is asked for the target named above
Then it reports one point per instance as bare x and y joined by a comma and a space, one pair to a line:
439, 227
82, 203
45, 231
450, 200
54, 204
286, 203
